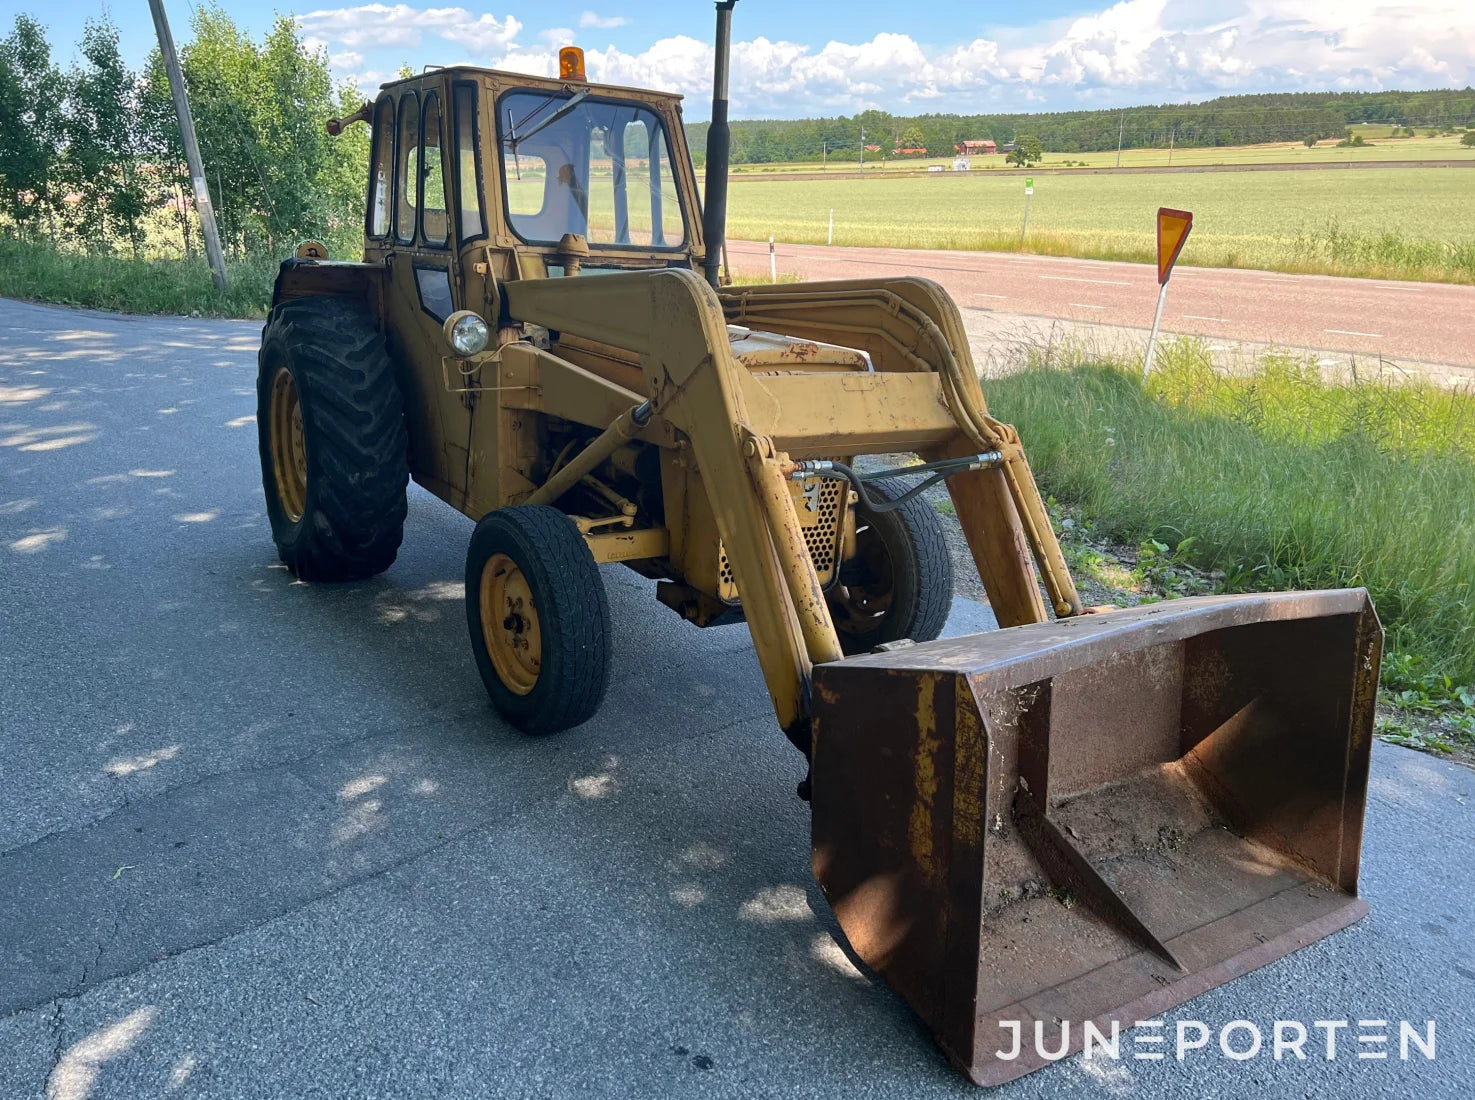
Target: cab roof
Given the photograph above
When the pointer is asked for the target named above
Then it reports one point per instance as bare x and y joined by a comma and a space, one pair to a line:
503, 76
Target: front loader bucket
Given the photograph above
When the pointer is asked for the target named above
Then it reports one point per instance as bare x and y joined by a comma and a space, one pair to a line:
1095, 819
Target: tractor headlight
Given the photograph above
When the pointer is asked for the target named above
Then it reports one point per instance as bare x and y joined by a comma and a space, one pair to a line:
467, 333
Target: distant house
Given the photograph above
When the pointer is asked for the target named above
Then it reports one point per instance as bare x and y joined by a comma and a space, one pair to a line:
909, 151
873, 148
1007, 147
979, 148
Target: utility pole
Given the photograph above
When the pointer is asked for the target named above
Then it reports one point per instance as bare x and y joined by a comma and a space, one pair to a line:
1171, 139
191, 146
824, 154
862, 148
1121, 129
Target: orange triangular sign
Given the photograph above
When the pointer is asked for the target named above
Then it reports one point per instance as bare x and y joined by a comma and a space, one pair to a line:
1172, 231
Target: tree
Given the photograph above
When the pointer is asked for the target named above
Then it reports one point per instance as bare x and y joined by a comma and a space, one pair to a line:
31, 131
102, 135
1468, 141
1309, 141
160, 141
259, 113
1027, 150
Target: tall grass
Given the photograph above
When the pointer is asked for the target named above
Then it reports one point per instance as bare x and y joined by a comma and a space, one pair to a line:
1279, 478
102, 281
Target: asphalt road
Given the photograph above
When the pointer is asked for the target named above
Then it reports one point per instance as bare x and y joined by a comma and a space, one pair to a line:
1427, 322
267, 839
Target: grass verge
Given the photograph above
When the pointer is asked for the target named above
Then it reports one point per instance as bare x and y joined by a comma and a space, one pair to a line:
1276, 479
101, 281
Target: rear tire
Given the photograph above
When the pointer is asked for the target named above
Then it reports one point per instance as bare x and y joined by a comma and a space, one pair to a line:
539, 618
899, 584
334, 451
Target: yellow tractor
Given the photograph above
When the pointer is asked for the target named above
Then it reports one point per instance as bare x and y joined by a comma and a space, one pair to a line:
1081, 818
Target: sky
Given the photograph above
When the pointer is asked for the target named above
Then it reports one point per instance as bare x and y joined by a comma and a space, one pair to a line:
797, 58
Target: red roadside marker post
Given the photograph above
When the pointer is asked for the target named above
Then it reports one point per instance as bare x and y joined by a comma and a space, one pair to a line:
1172, 230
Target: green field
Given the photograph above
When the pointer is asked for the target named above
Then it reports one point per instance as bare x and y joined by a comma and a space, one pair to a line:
1380, 147
1413, 223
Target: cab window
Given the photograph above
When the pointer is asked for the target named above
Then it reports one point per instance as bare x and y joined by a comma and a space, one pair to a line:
468, 161
601, 168
434, 212
407, 168
381, 168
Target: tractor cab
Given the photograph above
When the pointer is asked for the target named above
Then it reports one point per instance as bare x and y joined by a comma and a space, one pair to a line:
530, 176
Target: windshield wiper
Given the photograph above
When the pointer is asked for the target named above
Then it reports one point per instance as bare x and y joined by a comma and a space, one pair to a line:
514, 140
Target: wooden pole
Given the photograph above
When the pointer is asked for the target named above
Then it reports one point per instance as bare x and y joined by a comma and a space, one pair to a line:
191, 146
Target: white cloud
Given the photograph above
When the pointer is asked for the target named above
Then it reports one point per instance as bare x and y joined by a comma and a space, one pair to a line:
376, 26
1134, 50
602, 22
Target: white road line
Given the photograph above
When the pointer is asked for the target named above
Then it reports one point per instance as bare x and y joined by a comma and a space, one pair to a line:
1085, 305
1386, 286
1073, 279
1349, 332
1000, 297
1197, 317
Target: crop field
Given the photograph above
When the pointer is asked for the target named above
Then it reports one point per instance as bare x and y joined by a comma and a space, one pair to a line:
1379, 148
1413, 223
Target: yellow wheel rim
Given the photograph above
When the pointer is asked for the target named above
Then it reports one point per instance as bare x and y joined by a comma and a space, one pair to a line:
288, 445
509, 624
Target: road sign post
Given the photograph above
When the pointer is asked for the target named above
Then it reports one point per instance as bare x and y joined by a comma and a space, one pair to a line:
1172, 230
1029, 189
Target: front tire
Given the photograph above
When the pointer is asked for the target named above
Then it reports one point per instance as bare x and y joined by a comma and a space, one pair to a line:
899, 584
539, 618
334, 451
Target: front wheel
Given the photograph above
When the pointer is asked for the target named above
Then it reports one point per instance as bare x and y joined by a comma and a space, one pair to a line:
899, 582
539, 618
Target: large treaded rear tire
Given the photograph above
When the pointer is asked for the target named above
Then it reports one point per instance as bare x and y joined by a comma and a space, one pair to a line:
569, 612
900, 584
352, 512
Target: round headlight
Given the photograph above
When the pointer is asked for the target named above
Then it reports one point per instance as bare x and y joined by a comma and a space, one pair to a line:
467, 333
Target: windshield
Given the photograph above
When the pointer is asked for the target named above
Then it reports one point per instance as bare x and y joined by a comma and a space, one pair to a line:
572, 164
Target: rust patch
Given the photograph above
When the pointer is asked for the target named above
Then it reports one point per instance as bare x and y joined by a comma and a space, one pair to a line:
924, 778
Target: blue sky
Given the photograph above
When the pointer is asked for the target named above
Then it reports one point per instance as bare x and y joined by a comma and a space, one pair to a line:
811, 58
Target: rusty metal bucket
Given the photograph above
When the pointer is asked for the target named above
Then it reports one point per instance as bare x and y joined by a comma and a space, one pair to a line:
1098, 818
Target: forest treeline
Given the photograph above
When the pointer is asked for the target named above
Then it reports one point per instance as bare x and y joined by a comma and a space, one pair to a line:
90, 154
1228, 120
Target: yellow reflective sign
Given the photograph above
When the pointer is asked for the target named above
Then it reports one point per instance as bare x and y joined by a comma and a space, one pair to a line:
1172, 231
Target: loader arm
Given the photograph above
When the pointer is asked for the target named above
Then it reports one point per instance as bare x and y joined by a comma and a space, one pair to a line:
911, 324
673, 320
744, 430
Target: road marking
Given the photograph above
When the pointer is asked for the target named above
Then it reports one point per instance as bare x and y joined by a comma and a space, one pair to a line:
1000, 297
1198, 317
1073, 279
1085, 305
1387, 286
1349, 332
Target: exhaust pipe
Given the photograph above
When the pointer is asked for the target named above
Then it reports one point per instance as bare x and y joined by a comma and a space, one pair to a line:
719, 140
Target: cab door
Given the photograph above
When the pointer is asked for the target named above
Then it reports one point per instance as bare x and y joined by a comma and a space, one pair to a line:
424, 288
